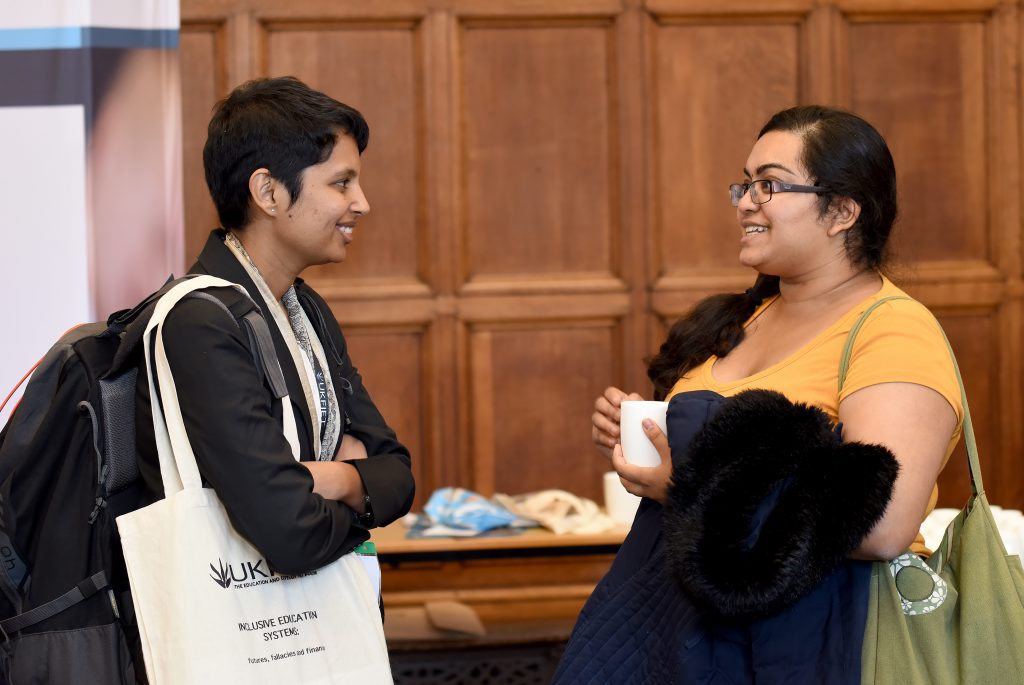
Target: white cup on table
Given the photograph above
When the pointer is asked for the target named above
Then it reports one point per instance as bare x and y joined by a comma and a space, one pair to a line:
620, 504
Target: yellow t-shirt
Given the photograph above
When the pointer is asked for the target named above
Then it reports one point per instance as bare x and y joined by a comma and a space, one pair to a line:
901, 342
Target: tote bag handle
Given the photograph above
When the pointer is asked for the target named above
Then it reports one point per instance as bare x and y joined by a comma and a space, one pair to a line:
973, 465
178, 467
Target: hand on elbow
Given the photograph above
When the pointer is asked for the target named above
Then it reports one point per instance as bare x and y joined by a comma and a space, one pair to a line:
338, 481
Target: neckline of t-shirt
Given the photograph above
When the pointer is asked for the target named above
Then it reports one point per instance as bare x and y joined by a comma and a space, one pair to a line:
707, 369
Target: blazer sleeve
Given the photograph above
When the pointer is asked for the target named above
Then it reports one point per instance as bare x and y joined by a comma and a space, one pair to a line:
234, 426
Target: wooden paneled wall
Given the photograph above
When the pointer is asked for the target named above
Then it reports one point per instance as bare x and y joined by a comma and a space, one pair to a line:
548, 182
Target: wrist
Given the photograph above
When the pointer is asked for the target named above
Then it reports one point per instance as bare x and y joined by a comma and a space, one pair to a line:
359, 501
350, 488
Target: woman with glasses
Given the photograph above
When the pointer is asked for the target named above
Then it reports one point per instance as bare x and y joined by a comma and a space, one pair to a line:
746, 576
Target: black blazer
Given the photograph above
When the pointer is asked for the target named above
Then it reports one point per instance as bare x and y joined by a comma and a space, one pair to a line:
234, 425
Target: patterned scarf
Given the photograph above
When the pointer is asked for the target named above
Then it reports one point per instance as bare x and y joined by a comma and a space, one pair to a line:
305, 349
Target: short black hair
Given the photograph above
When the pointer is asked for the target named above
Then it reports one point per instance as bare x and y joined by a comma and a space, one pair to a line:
278, 123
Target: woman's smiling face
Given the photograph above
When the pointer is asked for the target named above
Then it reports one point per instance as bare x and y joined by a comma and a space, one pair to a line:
318, 226
786, 236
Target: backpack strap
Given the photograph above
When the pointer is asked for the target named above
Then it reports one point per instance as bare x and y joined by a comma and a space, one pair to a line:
264, 353
117, 387
178, 468
132, 323
84, 590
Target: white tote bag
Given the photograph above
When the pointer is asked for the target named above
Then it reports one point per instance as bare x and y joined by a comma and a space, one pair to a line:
209, 609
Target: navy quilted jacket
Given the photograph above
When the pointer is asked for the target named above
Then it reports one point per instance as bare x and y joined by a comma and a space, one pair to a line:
639, 627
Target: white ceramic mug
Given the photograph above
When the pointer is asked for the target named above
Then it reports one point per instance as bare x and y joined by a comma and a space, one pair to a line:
636, 446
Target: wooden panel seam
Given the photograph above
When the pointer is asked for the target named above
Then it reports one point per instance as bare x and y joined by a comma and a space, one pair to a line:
564, 283
553, 307
496, 595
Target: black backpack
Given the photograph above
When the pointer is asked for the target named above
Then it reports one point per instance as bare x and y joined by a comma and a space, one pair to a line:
68, 468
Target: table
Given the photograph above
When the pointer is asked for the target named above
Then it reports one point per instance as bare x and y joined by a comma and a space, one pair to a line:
526, 591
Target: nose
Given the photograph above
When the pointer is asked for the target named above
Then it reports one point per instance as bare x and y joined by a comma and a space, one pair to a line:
359, 204
746, 203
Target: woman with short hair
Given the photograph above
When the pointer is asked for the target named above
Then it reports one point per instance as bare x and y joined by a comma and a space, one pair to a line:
282, 164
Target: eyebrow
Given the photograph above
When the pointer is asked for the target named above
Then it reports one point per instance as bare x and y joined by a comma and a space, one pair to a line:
347, 172
765, 167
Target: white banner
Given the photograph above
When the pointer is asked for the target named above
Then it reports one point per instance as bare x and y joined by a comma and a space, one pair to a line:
90, 126
125, 14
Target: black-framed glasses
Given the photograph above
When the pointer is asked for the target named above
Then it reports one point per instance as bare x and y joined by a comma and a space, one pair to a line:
762, 190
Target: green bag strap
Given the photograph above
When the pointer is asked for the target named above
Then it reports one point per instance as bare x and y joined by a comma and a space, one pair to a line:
973, 465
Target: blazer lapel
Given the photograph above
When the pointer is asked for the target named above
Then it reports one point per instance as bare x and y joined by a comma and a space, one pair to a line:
217, 260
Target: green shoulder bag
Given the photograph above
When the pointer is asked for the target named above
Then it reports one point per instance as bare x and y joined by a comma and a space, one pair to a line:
958, 616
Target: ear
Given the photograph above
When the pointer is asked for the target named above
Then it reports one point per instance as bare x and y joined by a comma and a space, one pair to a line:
265, 191
844, 214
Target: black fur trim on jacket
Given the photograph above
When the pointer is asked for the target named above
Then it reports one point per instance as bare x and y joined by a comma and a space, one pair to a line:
766, 502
